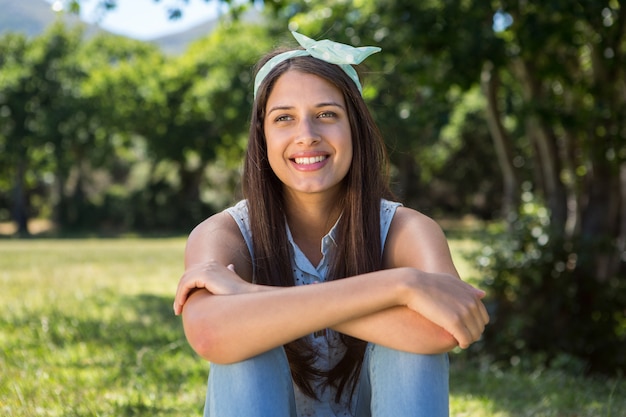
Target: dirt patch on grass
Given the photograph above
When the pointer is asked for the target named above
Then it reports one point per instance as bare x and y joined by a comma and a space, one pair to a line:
35, 227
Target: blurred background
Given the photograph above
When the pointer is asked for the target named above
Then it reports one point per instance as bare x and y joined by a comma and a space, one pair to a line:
505, 121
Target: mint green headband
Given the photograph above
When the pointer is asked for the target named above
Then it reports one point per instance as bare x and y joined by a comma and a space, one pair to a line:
332, 52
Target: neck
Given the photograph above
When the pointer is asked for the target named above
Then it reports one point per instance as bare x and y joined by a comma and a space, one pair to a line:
310, 217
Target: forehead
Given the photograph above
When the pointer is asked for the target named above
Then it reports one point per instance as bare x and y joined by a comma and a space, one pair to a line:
296, 86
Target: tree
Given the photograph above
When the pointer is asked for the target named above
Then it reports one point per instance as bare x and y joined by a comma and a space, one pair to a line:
566, 61
553, 79
186, 111
427, 67
207, 98
15, 135
37, 98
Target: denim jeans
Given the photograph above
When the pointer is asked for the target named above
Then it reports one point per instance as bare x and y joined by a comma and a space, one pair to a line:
392, 384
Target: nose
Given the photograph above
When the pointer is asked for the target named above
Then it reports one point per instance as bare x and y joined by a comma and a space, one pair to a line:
307, 134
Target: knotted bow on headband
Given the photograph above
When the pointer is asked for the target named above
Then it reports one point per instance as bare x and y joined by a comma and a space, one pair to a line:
325, 50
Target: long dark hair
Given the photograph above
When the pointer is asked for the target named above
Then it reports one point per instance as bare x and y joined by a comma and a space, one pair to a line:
359, 246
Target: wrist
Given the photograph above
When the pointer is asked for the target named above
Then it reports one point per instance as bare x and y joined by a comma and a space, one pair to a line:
408, 283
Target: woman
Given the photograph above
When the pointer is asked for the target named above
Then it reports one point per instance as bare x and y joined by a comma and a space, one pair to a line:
369, 338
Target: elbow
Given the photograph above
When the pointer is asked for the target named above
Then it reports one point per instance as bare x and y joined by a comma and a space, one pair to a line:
441, 342
204, 335
208, 344
200, 337
447, 342
444, 341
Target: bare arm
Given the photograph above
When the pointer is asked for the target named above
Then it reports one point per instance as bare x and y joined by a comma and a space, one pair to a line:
231, 328
415, 241
247, 319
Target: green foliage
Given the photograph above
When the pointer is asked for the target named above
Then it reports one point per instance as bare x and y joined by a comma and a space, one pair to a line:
431, 56
89, 125
546, 302
123, 108
38, 98
464, 154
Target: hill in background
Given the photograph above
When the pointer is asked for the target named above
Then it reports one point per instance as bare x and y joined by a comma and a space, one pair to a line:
32, 17
177, 43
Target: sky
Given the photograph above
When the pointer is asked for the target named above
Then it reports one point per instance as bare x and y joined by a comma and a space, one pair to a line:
145, 19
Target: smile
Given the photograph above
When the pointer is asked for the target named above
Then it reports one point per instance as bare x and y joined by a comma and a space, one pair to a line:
310, 160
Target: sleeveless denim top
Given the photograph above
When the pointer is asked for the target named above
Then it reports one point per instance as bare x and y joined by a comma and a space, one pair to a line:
327, 343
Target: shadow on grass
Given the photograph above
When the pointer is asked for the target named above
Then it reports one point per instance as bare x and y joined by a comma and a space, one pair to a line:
130, 349
132, 352
523, 391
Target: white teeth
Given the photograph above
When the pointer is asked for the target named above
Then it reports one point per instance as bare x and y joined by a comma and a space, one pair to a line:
310, 160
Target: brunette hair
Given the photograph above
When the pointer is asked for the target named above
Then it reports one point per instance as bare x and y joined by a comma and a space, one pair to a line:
359, 247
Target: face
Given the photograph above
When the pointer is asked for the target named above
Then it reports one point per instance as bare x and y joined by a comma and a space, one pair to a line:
306, 126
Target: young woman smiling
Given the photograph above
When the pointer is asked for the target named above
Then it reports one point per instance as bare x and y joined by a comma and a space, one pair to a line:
317, 295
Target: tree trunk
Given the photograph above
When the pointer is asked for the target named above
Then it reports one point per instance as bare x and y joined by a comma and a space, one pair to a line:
510, 200
20, 201
547, 151
602, 218
619, 263
570, 157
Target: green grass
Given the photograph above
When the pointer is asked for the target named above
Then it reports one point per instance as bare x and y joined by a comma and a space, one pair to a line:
87, 330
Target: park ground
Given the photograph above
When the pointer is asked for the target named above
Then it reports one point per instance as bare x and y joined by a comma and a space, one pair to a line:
87, 330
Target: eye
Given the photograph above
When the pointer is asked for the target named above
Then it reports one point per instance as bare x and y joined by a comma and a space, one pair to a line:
283, 118
327, 114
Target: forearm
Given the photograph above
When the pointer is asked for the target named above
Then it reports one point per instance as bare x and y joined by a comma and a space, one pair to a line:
231, 328
402, 329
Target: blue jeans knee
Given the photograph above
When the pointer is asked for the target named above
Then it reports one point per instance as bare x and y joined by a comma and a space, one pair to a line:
260, 386
396, 383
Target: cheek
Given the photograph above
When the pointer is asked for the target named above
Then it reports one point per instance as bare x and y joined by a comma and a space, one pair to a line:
349, 148
272, 158
274, 153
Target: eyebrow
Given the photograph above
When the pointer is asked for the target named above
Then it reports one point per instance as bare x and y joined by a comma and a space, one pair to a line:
318, 105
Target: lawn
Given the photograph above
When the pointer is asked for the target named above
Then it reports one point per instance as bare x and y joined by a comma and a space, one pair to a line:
87, 330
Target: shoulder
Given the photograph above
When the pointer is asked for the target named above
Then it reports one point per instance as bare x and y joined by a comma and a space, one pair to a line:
406, 221
220, 225
217, 238
418, 241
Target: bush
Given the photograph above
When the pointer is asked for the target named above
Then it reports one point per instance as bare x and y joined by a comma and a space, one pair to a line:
546, 302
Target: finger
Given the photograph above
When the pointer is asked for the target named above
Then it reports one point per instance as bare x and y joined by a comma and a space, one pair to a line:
462, 340
231, 267
182, 293
477, 321
471, 325
480, 293
177, 303
480, 320
478, 317
461, 332
484, 314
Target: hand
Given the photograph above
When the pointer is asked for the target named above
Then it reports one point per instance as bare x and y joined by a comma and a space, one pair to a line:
211, 276
451, 304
